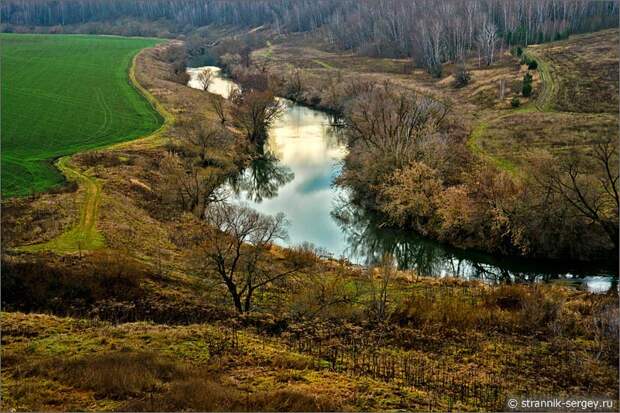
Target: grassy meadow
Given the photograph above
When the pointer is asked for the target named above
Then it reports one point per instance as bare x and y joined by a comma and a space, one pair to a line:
62, 94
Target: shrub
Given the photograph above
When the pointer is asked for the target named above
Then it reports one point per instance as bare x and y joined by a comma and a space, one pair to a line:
61, 286
532, 65
515, 102
527, 85
461, 76
436, 70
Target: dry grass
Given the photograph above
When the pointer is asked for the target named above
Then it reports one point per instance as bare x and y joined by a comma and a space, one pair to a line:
586, 68
517, 337
513, 136
580, 96
32, 221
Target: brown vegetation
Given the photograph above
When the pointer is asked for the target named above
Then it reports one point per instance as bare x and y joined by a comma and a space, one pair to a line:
311, 334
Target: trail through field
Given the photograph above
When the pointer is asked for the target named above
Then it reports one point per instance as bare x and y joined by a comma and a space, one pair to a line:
84, 236
543, 103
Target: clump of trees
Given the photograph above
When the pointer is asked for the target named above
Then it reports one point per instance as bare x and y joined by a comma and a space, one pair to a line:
254, 111
408, 164
188, 187
176, 57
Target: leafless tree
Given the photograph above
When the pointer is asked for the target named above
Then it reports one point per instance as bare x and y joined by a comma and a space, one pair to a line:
200, 138
190, 187
487, 39
380, 277
591, 188
218, 104
254, 112
237, 247
392, 123
205, 78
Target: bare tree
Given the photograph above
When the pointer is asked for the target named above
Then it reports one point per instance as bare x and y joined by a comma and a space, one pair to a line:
191, 188
237, 248
380, 277
254, 111
394, 124
200, 138
218, 104
591, 188
487, 39
205, 78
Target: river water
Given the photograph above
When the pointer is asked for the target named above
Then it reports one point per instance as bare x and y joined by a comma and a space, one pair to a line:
303, 155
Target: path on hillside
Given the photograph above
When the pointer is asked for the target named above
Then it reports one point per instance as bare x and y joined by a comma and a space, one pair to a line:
543, 103
84, 236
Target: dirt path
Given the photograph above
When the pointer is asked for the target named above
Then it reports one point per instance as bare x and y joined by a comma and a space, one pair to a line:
84, 236
543, 103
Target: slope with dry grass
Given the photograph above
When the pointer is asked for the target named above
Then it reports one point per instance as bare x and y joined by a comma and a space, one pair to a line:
447, 345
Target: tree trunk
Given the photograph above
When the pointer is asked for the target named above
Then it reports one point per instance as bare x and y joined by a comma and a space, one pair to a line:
248, 301
235, 296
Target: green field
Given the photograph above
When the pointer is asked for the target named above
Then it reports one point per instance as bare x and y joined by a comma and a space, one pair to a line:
62, 94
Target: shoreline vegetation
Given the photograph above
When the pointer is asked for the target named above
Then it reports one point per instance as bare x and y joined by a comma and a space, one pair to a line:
513, 205
191, 305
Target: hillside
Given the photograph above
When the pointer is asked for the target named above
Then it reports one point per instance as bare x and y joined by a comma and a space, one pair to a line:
139, 325
302, 205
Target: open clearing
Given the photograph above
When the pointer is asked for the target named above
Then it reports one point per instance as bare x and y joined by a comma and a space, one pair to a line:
65, 94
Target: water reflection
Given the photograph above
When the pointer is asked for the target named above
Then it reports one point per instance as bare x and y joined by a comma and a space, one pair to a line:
262, 178
369, 239
219, 85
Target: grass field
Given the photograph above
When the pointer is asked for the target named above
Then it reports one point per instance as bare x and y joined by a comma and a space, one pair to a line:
62, 95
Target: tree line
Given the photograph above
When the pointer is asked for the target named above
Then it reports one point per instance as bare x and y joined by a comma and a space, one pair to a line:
430, 33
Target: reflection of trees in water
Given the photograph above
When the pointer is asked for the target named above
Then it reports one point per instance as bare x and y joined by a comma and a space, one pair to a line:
262, 178
368, 239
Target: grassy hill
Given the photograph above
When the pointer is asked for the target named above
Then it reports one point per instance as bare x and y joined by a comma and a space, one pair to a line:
61, 95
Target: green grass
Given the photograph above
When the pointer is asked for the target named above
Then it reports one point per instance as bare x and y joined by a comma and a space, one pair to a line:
62, 95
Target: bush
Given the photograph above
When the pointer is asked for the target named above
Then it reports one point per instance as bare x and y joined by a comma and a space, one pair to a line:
515, 102
436, 70
66, 285
532, 65
461, 76
527, 85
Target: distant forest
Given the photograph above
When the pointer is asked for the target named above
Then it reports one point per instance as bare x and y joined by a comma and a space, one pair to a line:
433, 31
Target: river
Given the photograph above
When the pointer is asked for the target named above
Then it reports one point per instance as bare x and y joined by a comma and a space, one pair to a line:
302, 156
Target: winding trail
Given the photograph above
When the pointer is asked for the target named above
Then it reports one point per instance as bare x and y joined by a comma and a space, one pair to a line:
85, 236
543, 103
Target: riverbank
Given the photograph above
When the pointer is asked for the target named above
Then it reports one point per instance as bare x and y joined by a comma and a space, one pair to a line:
494, 192
300, 144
